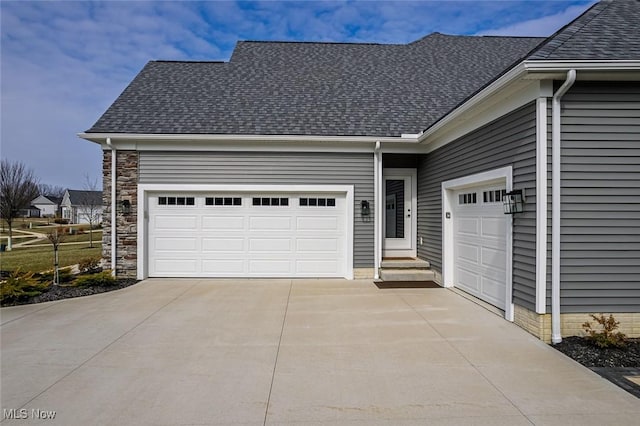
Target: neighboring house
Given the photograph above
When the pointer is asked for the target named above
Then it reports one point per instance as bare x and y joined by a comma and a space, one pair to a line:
81, 206
321, 159
48, 205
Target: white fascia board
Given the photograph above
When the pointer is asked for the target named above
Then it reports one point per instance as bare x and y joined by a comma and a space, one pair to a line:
504, 80
208, 138
286, 143
564, 66
504, 95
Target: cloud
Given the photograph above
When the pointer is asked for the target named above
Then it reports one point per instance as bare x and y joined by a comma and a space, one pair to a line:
64, 62
543, 26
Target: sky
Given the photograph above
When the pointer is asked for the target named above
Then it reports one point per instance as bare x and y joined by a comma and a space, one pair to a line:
62, 63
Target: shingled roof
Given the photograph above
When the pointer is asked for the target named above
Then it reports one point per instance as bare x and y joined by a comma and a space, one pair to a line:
292, 88
342, 89
609, 30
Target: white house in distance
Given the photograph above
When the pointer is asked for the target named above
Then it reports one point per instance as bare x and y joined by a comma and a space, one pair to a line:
79, 206
47, 204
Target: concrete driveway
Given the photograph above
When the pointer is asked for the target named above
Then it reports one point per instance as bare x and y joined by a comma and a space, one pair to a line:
197, 352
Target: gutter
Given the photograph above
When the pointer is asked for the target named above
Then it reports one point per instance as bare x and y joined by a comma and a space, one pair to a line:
113, 207
556, 140
99, 137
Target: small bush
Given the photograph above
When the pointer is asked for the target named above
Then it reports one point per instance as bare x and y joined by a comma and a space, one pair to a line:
89, 265
64, 275
607, 337
19, 286
61, 221
102, 279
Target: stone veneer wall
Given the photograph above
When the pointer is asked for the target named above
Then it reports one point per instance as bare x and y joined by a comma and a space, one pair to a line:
571, 324
126, 225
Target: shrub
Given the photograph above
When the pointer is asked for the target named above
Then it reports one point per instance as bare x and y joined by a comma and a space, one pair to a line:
607, 337
103, 279
19, 286
64, 275
61, 221
89, 265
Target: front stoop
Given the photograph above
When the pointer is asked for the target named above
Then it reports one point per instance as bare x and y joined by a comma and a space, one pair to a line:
405, 270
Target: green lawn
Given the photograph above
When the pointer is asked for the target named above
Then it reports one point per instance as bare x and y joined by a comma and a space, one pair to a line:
38, 259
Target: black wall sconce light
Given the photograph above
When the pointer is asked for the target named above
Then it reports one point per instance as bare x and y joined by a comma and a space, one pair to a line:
514, 201
365, 210
125, 207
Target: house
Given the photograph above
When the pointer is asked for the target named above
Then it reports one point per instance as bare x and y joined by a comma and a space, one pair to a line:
31, 211
324, 159
80, 206
48, 205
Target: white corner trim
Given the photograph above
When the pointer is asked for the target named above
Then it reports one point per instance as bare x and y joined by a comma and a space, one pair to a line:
501, 175
377, 182
143, 211
541, 205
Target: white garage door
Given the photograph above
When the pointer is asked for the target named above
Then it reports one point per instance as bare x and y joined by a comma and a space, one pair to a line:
480, 243
247, 235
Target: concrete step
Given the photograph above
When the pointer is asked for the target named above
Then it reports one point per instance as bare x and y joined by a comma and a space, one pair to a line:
405, 264
406, 275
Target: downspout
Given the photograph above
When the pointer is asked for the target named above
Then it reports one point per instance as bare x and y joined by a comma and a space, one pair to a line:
113, 207
377, 175
556, 140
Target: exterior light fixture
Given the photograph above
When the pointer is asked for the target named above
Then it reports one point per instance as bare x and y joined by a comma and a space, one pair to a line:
514, 201
125, 207
365, 210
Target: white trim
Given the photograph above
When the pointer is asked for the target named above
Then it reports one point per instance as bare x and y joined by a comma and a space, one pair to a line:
412, 173
377, 178
492, 107
145, 189
588, 65
186, 137
541, 205
501, 175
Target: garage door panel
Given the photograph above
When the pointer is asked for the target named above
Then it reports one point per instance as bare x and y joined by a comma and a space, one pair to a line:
226, 266
316, 223
268, 267
314, 245
175, 222
172, 266
467, 252
247, 240
270, 245
493, 228
492, 258
480, 246
317, 267
177, 244
223, 223
469, 226
226, 245
468, 280
270, 223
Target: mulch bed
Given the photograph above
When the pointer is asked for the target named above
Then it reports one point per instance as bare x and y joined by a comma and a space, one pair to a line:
612, 364
63, 292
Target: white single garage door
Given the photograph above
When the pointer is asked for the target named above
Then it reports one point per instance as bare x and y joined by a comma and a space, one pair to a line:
480, 243
247, 235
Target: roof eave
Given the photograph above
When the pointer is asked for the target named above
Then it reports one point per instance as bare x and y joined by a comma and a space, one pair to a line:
212, 138
538, 69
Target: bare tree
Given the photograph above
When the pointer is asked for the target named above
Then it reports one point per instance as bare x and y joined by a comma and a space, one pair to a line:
18, 187
56, 237
90, 205
52, 190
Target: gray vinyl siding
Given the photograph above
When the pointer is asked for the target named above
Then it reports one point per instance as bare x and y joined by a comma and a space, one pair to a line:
268, 168
507, 141
600, 220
